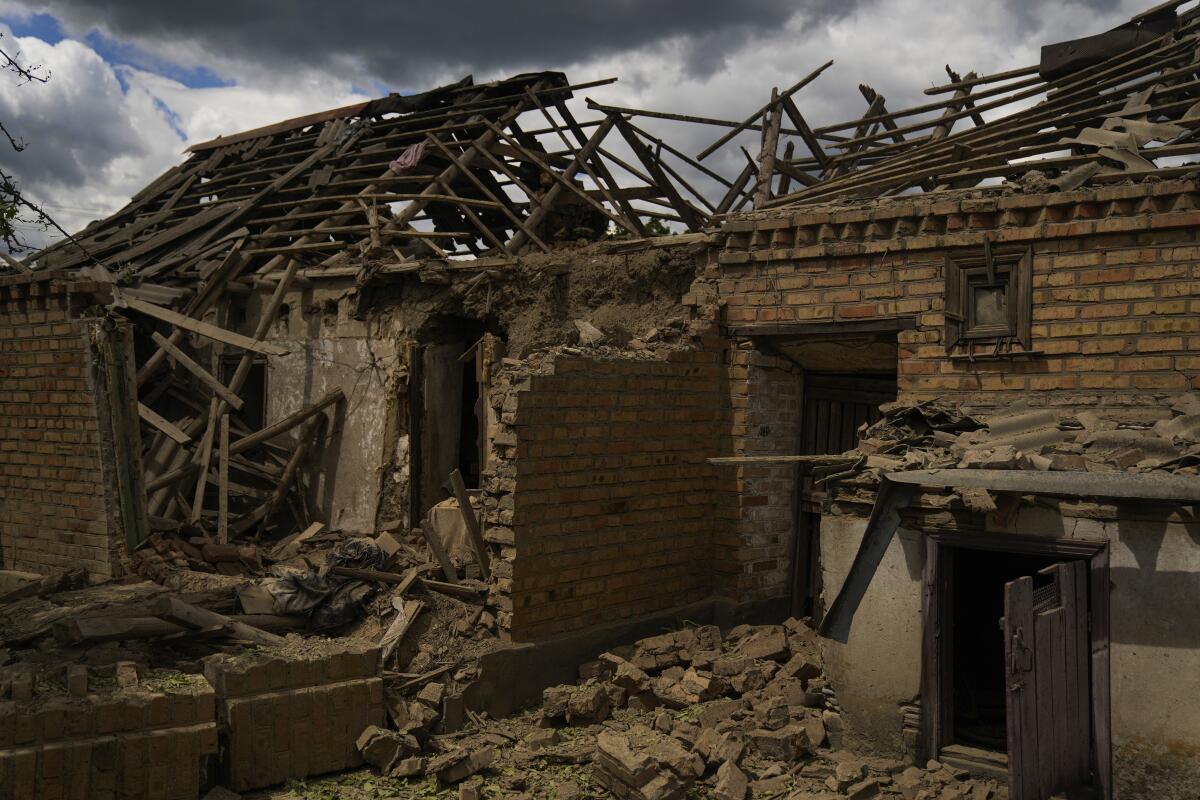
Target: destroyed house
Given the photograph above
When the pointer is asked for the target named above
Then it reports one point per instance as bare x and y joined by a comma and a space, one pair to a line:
930, 376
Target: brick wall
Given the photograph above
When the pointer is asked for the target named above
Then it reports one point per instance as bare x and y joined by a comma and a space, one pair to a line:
755, 561
145, 743
59, 506
613, 508
1116, 288
290, 715
1116, 291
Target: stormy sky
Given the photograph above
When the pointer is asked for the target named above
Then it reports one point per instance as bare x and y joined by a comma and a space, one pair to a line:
134, 82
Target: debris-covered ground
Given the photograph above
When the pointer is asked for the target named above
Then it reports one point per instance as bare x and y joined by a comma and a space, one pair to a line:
688, 714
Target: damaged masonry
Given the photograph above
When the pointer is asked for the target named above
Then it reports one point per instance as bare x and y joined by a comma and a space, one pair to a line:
455, 445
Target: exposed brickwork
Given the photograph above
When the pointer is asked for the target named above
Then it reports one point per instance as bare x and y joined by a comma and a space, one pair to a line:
137, 744
54, 512
1116, 288
614, 509
294, 716
1116, 291
757, 559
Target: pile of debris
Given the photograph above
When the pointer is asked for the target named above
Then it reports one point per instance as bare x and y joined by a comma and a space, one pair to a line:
691, 713
939, 435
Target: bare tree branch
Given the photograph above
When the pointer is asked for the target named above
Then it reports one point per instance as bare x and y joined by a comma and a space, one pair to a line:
15, 208
26, 72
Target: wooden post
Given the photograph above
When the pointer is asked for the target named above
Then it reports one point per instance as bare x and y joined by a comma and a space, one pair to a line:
223, 483
439, 552
770, 145
472, 522
175, 610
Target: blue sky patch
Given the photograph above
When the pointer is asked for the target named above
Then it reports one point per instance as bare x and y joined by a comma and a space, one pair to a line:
117, 52
40, 26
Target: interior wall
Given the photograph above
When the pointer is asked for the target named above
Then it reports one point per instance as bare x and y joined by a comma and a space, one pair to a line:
346, 491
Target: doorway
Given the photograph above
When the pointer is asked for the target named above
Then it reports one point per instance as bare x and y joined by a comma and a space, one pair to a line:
1014, 662
834, 406
977, 578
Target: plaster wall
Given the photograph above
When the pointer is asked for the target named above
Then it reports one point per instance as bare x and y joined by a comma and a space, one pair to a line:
347, 488
879, 667
1155, 635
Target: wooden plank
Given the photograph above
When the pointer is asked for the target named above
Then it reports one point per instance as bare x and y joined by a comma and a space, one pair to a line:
931, 661
1047, 692
175, 610
198, 327
205, 459
223, 482
455, 590
200, 372
504, 207
770, 146
398, 627
1063, 744
439, 552
692, 218
379, 576
90, 630
166, 426
15, 264
1099, 589
313, 431
472, 522
1082, 733
215, 285
286, 424
291, 545
1077, 733
800, 84
1020, 694
806, 134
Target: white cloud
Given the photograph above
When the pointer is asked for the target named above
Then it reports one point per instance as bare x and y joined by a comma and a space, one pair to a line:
97, 133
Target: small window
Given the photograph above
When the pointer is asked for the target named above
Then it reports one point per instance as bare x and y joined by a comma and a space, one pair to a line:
988, 297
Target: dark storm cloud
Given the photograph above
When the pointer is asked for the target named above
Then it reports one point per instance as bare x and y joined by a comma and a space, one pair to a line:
405, 43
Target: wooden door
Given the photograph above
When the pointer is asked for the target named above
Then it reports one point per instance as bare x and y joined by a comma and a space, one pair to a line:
1046, 654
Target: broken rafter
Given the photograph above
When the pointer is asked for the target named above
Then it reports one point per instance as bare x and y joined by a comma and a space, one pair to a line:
800, 84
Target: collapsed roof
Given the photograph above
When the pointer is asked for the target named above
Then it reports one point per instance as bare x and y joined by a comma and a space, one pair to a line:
459, 171
482, 172
1108, 108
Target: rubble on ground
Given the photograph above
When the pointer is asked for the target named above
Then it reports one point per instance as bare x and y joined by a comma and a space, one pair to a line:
734, 715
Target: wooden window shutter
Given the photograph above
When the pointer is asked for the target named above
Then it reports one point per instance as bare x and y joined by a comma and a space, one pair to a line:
1021, 293
954, 304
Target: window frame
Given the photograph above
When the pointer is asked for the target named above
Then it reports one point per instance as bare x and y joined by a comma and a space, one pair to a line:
1011, 269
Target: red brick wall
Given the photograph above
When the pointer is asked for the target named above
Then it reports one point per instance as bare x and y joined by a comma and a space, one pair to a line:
1116, 291
146, 743
54, 507
1116, 288
288, 716
614, 508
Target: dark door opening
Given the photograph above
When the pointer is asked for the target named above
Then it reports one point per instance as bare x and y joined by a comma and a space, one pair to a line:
448, 404
253, 413
977, 580
469, 450
835, 405
1015, 660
